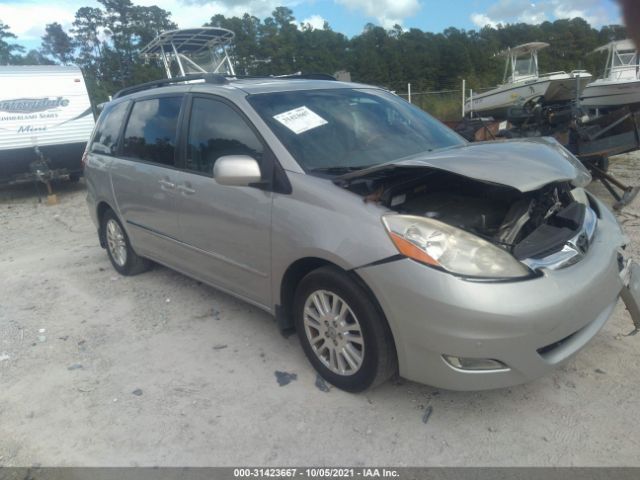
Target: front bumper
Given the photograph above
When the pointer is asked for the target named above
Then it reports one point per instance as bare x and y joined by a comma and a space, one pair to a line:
531, 326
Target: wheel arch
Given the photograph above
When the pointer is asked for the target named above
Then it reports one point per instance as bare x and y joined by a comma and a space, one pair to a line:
288, 285
101, 209
296, 272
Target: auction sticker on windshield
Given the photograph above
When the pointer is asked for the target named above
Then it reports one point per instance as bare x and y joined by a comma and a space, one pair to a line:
300, 120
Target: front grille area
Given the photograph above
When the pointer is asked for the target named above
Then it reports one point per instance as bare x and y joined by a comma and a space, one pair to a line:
574, 250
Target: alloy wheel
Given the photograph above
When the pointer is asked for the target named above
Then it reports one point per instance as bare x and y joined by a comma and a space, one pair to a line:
116, 243
334, 332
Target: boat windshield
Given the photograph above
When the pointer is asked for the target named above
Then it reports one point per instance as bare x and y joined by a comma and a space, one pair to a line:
342, 129
624, 65
624, 58
524, 67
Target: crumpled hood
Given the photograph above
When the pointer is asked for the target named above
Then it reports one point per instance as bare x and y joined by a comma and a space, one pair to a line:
523, 164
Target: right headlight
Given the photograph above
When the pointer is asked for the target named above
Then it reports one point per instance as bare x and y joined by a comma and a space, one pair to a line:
440, 245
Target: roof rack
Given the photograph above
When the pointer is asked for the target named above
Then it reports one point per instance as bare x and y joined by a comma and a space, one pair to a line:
217, 79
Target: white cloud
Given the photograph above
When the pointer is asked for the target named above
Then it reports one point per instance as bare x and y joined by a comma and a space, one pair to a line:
481, 20
532, 17
509, 8
315, 21
528, 11
593, 11
27, 20
512, 11
192, 13
387, 12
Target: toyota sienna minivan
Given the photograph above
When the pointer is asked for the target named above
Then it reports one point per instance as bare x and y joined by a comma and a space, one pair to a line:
387, 241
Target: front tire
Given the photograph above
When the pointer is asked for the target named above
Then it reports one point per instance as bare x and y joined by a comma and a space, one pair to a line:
342, 331
122, 256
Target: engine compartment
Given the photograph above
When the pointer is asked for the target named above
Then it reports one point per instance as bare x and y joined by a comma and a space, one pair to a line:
528, 225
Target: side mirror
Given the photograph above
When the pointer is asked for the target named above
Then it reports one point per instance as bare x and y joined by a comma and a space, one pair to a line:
236, 170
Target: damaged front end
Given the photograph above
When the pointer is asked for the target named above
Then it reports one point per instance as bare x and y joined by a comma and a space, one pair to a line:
550, 227
493, 210
482, 230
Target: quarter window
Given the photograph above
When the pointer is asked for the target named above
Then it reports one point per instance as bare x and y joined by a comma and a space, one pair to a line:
216, 130
151, 131
106, 138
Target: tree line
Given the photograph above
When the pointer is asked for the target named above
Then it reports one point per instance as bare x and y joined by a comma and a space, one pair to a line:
105, 42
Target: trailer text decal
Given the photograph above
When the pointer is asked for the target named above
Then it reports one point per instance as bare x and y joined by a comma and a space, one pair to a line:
32, 105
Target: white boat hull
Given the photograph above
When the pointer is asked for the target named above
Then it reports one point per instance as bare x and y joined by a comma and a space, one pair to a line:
611, 94
564, 88
496, 102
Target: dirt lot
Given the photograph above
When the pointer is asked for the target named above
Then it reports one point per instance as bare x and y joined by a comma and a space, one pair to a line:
98, 369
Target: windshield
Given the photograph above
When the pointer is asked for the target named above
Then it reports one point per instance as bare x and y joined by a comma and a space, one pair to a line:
524, 67
337, 130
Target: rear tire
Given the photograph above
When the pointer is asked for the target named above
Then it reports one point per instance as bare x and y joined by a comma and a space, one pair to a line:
342, 331
123, 258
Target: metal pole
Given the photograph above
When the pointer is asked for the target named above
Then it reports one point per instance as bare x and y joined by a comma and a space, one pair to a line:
165, 62
506, 66
471, 102
175, 52
464, 87
229, 62
409, 92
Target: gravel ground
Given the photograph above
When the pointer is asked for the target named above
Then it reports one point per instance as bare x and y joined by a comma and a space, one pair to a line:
102, 370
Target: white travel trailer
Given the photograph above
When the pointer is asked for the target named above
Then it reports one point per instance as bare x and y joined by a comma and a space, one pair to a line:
46, 120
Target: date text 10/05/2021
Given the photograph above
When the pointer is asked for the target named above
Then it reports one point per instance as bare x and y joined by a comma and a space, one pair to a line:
315, 473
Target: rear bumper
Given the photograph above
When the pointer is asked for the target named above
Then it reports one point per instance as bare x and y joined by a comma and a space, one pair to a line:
531, 326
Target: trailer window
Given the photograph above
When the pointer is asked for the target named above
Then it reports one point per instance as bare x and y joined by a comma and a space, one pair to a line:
151, 130
106, 137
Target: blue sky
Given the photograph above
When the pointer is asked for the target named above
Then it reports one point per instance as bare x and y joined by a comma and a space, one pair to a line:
27, 18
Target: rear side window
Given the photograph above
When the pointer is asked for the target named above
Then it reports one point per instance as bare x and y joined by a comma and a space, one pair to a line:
215, 130
106, 138
151, 130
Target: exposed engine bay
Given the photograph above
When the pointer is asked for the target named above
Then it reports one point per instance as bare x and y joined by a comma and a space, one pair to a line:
528, 225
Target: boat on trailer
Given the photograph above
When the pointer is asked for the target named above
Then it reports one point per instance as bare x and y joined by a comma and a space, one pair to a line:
523, 84
620, 84
192, 51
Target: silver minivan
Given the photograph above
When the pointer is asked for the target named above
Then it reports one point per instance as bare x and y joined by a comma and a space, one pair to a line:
388, 242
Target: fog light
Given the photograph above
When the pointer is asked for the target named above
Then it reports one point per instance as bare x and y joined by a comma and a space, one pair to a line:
475, 364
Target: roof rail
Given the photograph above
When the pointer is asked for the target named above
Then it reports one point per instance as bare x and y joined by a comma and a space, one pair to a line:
217, 79
207, 77
307, 76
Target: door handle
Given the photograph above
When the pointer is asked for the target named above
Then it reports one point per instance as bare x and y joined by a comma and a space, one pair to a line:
167, 184
186, 189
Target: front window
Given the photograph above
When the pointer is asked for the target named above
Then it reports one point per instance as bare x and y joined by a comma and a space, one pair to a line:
216, 130
341, 129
